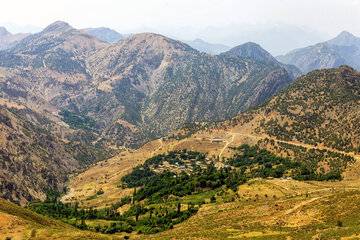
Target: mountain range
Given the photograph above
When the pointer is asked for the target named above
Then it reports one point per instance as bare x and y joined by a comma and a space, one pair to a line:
128, 88
135, 128
84, 90
344, 49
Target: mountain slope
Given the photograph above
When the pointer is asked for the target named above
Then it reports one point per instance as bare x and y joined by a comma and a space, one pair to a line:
33, 161
45, 70
169, 83
255, 51
105, 34
342, 50
345, 39
320, 108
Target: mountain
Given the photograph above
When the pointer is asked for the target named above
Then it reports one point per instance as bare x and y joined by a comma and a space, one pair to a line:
7, 39
206, 47
156, 84
77, 95
320, 108
255, 51
53, 67
59, 38
342, 50
137, 89
105, 34
38, 76
252, 50
345, 39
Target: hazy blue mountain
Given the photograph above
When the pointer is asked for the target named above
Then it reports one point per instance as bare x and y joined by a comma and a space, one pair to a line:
7, 39
15, 28
105, 34
344, 49
277, 38
207, 47
345, 39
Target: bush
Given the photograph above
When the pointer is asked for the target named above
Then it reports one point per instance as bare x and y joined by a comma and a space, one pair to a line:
339, 223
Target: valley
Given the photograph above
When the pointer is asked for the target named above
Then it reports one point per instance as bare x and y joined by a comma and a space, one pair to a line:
140, 136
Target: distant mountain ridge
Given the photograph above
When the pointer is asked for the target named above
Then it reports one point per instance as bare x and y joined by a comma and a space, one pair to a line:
105, 34
7, 39
207, 47
255, 51
344, 49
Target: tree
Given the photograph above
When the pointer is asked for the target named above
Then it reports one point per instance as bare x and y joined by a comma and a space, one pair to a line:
134, 194
179, 208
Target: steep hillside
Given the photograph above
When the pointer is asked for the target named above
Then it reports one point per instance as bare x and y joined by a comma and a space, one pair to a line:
105, 34
20, 223
168, 83
342, 50
34, 161
320, 108
46, 70
255, 51
7, 39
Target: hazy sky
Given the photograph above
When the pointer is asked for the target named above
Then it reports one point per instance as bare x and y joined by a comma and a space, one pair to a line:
329, 16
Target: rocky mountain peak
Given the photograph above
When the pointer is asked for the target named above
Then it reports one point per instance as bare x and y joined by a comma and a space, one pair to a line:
3, 32
345, 39
155, 41
58, 26
252, 50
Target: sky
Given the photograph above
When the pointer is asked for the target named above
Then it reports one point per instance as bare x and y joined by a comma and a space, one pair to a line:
328, 17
